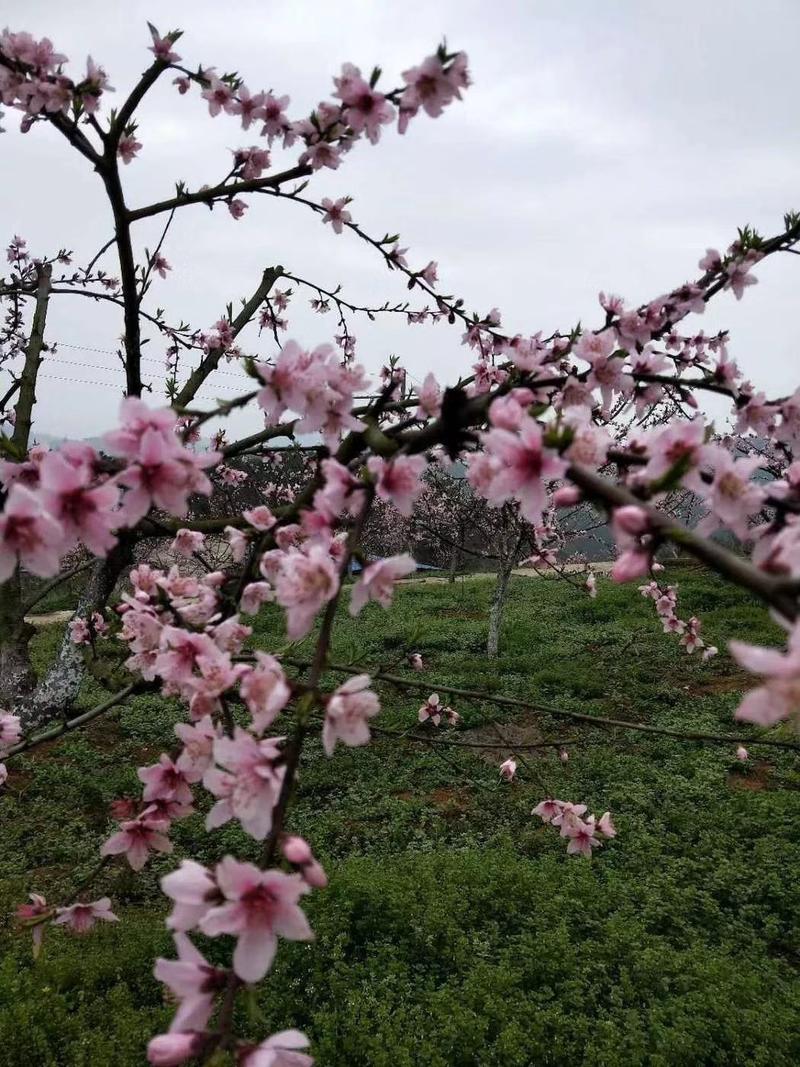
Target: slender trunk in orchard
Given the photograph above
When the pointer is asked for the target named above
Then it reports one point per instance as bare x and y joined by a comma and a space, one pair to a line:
499, 597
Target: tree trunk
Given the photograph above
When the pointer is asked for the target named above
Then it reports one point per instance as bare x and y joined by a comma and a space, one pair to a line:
58, 690
496, 611
454, 560
17, 676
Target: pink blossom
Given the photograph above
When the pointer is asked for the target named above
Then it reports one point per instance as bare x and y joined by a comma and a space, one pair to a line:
280, 1050
508, 768
187, 542
258, 907
516, 465
250, 107
80, 918
306, 580
260, 518
605, 826
335, 212
128, 148
677, 448
194, 890
582, 835
253, 161
377, 581
631, 526
738, 277
742, 754
779, 696
160, 265
711, 261
248, 786
276, 124
239, 543
265, 691
198, 745
29, 535
347, 713
170, 1050
548, 809
194, 983
732, 496
255, 594
10, 731
430, 398
321, 154
398, 480
431, 710
86, 514
567, 496
219, 96
237, 207
162, 46
34, 915
430, 274
416, 662
135, 839
427, 86
165, 780
363, 108
297, 851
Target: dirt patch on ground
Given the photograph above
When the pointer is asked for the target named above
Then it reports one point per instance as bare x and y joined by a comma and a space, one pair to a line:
505, 738
729, 683
50, 618
752, 777
452, 801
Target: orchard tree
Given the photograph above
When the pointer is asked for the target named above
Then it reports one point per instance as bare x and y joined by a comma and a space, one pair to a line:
528, 418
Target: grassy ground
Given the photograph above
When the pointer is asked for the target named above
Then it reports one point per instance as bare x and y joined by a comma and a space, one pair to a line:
456, 931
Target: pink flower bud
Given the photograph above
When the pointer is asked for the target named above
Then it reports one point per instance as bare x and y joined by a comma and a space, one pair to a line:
566, 496
508, 769
631, 520
297, 850
630, 565
169, 1050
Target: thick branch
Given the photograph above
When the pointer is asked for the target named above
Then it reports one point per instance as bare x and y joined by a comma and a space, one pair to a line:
33, 359
771, 590
223, 191
210, 362
79, 720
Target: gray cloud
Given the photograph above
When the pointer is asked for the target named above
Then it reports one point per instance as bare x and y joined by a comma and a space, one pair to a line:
602, 146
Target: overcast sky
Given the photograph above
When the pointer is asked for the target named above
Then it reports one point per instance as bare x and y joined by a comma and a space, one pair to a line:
601, 146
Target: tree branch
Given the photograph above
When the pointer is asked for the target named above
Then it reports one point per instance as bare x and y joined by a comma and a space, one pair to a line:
210, 362
33, 360
222, 191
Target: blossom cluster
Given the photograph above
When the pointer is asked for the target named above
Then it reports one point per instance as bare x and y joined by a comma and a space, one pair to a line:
59, 498
583, 834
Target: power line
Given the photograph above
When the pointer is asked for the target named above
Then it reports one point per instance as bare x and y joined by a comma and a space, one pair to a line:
144, 359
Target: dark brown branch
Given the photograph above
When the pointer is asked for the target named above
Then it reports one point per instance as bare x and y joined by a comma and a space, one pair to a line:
546, 709
210, 361
222, 191
54, 583
33, 360
771, 590
125, 113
